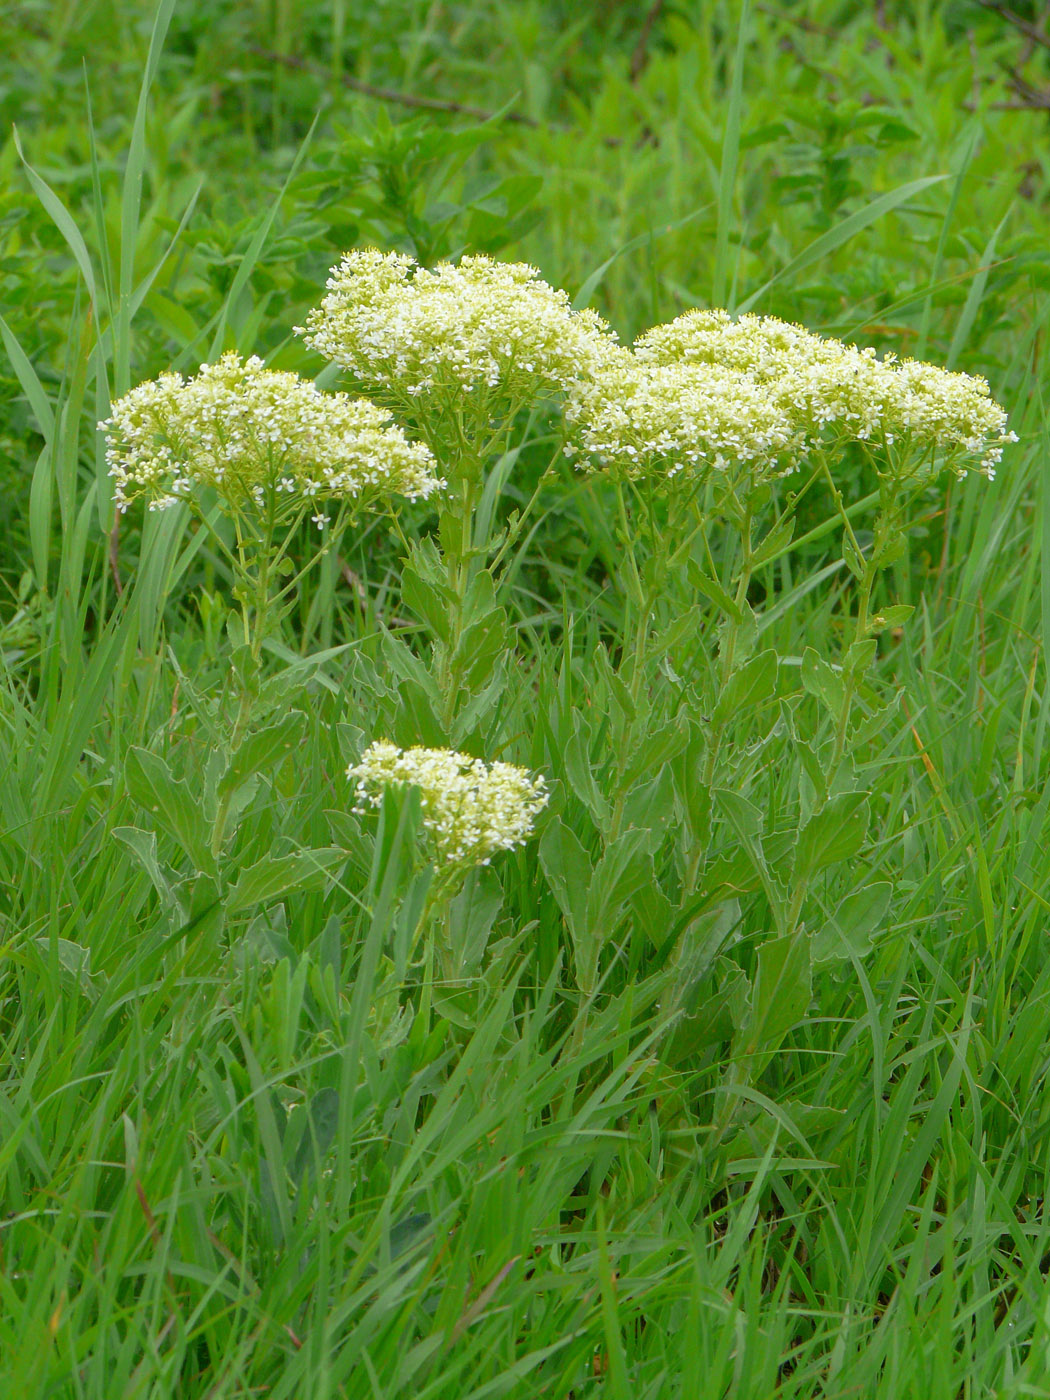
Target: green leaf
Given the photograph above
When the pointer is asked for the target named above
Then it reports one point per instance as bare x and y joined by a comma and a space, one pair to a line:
745, 634
648, 805
567, 867
713, 590
274, 876
579, 773
653, 750
755, 683
407, 666
826, 684
318, 1133
852, 558
713, 1013
73, 959
264, 749
479, 601
31, 385
781, 992
407, 1233
474, 911
854, 924
744, 816
871, 727
63, 221
475, 713
833, 834
417, 721
169, 800
41, 489
746, 820
653, 913
480, 647
894, 616
860, 657
812, 772
265, 940
694, 796
624, 869
143, 846
775, 543
426, 594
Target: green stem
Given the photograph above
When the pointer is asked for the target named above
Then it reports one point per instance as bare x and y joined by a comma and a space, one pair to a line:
860, 631
218, 833
643, 596
458, 571
514, 532
728, 658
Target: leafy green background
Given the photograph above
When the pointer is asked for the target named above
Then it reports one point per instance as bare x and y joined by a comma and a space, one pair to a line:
229, 1160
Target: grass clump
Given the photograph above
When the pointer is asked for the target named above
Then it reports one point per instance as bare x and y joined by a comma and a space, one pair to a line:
578, 932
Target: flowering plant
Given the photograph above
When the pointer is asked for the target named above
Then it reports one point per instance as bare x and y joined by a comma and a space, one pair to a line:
471, 809
457, 352
265, 449
459, 348
699, 441
262, 441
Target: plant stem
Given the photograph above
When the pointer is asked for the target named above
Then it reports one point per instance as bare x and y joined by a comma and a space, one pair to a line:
643, 596
244, 709
728, 657
458, 573
849, 680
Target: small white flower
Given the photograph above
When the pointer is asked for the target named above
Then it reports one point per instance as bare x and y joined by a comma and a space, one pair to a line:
830, 390
641, 418
471, 809
478, 327
246, 432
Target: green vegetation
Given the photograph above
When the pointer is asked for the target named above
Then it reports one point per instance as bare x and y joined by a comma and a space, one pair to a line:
731, 1081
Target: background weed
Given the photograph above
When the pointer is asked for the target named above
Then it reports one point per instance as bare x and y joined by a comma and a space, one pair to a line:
230, 1158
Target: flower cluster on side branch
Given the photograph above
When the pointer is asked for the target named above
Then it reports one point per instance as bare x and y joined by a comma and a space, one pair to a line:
637, 419
838, 392
258, 437
471, 809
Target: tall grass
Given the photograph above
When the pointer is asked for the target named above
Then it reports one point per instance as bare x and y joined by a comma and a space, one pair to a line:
230, 1162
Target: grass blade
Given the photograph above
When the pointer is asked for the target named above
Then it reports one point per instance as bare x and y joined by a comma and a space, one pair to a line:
730, 162
842, 233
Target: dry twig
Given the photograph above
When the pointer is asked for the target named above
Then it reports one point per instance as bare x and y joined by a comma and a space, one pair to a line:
640, 57
411, 99
1022, 25
385, 94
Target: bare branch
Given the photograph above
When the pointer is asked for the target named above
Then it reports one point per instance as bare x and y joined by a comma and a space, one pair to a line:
384, 94
426, 104
640, 57
1023, 26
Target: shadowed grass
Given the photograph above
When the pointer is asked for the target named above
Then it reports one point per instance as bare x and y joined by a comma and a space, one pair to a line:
230, 1161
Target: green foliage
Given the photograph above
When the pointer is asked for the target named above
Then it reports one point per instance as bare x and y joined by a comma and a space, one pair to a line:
733, 1081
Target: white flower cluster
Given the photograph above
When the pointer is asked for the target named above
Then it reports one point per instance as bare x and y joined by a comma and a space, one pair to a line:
471, 809
632, 417
842, 391
479, 327
761, 346
251, 434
